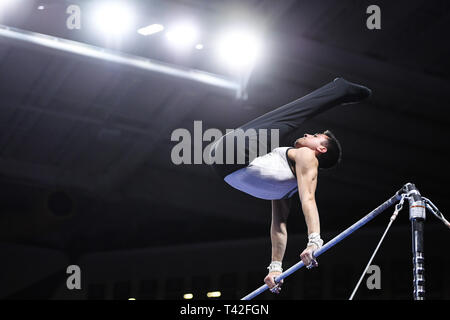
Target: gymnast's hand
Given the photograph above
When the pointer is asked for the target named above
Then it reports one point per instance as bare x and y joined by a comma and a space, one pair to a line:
308, 258
270, 281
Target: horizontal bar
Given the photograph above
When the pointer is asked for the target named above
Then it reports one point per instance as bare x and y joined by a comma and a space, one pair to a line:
344, 234
121, 58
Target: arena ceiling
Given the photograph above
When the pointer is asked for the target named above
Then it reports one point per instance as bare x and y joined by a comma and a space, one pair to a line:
85, 145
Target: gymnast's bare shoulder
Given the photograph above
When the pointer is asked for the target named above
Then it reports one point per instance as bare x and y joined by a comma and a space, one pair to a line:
304, 157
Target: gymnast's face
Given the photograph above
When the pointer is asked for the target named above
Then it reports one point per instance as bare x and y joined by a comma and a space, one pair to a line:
313, 141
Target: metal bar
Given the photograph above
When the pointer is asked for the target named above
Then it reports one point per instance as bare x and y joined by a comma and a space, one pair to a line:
121, 58
331, 243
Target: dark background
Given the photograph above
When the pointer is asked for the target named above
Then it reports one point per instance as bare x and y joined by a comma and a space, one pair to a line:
85, 145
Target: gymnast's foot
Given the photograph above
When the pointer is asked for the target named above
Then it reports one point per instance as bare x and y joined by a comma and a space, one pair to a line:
354, 93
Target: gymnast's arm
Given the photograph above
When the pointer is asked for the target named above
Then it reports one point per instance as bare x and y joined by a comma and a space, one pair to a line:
278, 229
278, 236
306, 167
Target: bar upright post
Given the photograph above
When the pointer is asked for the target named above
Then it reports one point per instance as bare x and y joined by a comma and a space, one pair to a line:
417, 218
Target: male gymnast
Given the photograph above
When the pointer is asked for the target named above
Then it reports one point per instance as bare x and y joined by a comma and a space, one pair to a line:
280, 173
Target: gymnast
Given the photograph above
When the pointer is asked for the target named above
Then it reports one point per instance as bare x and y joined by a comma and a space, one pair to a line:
283, 171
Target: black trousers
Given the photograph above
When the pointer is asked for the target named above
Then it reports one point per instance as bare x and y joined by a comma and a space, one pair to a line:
248, 140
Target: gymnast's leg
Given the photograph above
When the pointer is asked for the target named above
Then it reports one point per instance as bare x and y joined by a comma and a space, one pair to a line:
286, 119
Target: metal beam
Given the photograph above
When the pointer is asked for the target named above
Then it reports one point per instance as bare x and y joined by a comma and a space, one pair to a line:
121, 58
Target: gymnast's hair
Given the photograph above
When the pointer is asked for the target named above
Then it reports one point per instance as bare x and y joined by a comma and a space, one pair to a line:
333, 156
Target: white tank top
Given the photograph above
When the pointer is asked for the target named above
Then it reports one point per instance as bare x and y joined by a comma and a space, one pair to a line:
267, 177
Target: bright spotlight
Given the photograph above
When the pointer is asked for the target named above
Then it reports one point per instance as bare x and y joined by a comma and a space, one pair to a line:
188, 296
182, 36
214, 294
114, 18
151, 29
239, 49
